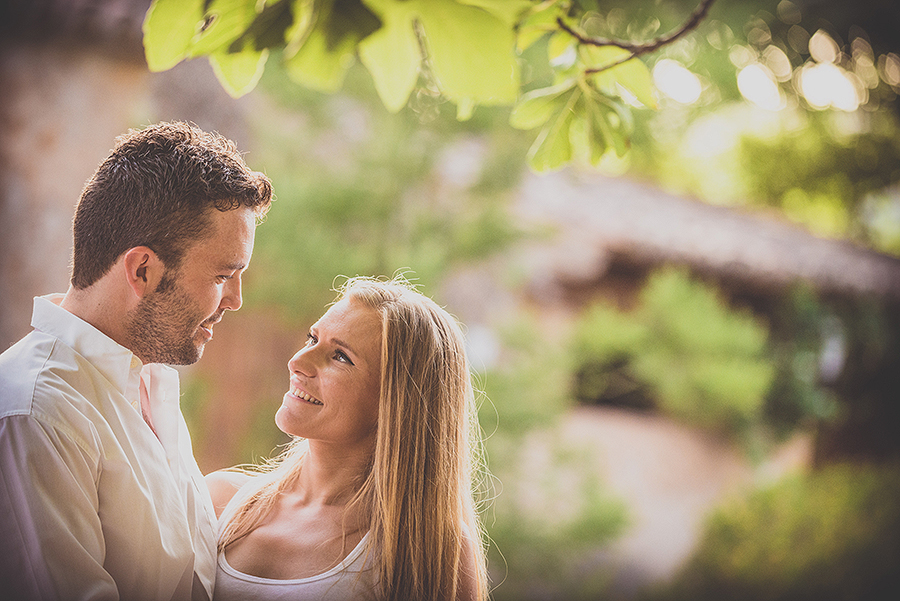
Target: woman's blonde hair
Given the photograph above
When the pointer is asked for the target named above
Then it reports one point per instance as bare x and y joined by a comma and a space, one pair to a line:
421, 489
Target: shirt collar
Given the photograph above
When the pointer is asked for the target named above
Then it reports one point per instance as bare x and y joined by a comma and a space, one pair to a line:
111, 359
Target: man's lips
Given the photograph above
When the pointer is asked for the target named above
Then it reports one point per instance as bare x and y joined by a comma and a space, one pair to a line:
207, 326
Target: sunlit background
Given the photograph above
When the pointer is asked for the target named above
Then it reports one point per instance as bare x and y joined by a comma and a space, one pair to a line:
690, 356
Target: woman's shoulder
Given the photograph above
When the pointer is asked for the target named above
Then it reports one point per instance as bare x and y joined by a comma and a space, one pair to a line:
223, 484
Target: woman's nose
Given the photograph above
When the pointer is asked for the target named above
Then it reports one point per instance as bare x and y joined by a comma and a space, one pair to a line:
302, 362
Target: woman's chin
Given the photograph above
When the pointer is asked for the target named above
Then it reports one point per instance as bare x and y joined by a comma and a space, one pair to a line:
286, 420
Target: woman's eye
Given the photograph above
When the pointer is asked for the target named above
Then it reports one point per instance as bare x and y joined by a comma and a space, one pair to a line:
342, 357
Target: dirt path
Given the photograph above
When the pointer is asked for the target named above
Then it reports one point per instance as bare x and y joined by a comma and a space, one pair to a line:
670, 476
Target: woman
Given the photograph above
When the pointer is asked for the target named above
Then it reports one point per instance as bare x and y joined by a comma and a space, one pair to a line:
375, 497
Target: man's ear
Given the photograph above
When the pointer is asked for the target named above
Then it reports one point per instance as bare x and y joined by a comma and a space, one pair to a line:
143, 270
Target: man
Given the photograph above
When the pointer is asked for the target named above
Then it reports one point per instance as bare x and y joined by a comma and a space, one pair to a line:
100, 496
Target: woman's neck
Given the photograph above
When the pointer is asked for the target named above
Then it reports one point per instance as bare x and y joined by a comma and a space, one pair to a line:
330, 475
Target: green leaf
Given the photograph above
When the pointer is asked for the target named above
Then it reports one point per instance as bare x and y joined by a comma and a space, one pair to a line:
553, 147
239, 72
536, 107
596, 131
560, 43
536, 24
614, 120
348, 19
303, 13
465, 108
392, 55
268, 27
317, 67
228, 20
632, 75
169, 29
321, 62
471, 52
508, 11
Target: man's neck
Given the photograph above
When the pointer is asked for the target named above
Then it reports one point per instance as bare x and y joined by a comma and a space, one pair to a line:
99, 307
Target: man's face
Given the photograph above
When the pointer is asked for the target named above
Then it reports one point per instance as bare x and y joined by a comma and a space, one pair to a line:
173, 323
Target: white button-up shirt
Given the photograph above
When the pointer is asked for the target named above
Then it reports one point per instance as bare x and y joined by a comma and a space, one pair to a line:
92, 504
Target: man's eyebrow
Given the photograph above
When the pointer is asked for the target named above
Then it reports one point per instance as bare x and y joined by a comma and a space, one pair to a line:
234, 266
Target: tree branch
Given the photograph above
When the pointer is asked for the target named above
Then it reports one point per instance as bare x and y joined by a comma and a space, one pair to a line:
634, 48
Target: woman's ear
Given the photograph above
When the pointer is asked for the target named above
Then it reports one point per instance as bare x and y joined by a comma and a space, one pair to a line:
143, 270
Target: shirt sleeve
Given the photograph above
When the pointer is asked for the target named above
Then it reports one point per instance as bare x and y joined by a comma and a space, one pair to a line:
51, 540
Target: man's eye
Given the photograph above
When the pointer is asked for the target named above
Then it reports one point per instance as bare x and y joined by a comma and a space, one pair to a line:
311, 340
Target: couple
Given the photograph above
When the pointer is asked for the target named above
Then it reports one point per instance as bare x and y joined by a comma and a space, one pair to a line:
100, 496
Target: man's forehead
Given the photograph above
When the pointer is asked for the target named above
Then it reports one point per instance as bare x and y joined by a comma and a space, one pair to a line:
229, 242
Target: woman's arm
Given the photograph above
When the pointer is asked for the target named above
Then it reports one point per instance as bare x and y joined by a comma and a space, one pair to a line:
470, 585
222, 486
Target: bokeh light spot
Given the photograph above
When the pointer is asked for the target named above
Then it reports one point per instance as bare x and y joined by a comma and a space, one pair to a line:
676, 81
758, 85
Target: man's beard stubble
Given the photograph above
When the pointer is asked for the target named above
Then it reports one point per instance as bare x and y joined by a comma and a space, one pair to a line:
163, 326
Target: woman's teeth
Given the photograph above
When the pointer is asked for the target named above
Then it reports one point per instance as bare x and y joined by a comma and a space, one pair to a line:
302, 395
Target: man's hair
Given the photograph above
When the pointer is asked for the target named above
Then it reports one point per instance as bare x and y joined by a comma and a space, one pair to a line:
157, 189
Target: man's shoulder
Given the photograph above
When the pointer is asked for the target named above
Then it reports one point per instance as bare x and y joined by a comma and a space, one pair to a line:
38, 400
39, 378
21, 365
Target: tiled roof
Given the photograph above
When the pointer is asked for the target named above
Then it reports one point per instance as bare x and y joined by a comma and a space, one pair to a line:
600, 219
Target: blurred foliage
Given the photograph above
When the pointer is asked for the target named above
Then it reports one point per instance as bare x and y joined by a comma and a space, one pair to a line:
834, 170
802, 327
827, 535
682, 350
576, 70
361, 192
432, 45
823, 177
818, 364
529, 389
837, 373
552, 506
867, 386
194, 392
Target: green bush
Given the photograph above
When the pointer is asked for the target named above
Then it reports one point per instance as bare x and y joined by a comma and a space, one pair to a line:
827, 535
551, 507
699, 360
552, 515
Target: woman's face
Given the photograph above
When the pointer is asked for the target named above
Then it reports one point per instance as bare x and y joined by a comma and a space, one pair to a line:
335, 379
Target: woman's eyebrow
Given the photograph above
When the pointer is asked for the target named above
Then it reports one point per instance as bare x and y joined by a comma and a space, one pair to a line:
340, 342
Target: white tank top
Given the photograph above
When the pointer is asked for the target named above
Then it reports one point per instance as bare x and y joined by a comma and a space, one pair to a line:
354, 579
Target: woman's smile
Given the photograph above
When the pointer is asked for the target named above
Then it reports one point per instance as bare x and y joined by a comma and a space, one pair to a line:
304, 396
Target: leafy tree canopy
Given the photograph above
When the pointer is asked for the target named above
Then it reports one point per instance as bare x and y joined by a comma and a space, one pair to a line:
468, 51
821, 75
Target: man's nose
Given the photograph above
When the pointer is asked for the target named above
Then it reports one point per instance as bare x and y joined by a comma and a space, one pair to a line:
232, 299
